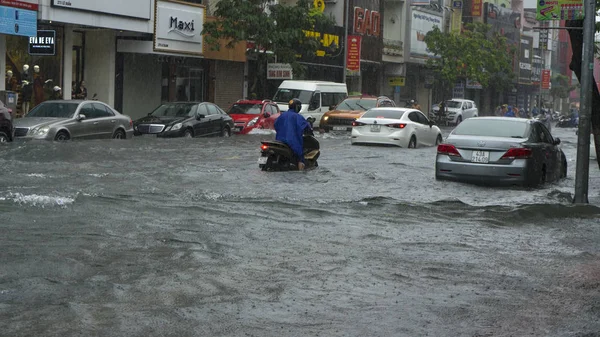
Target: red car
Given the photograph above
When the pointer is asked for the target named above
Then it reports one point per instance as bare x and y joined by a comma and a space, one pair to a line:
253, 114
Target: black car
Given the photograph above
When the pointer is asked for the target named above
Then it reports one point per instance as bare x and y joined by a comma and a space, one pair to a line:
7, 130
185, 119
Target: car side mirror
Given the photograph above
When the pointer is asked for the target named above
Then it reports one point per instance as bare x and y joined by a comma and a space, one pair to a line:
267, 115
431, 123
199, 116
81, 117
556, 141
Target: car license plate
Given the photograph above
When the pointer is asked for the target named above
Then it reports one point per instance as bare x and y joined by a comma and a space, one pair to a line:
262, 160
480, 157
339, 128
238, 128
375, 128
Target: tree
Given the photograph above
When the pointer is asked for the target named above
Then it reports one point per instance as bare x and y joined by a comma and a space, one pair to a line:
561, 87
276, 31
477, 54
576, 36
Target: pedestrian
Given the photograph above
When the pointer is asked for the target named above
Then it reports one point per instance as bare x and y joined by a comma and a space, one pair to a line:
416, 105
509, 112
81, 92
56, 93
73, 90
503, 110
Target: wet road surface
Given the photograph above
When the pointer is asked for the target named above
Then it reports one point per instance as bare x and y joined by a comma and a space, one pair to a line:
180, 237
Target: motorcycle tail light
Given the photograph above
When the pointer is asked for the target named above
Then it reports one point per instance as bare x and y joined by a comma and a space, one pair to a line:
264, 147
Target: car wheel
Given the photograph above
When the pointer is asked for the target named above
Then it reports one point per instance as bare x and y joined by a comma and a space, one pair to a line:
458, 120
188, 133
543, 176
563, 172
439, 140
4, 138
62, 136
412, 143
226, 132
119, 134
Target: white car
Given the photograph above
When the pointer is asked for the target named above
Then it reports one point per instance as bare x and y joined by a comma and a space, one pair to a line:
403, 127
459, 109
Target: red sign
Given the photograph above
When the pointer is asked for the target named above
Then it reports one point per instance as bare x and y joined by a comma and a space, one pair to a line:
367, 22
546, 79
353, 60
19, 4
476, 7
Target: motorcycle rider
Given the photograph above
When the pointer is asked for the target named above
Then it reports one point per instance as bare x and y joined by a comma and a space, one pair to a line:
290, 127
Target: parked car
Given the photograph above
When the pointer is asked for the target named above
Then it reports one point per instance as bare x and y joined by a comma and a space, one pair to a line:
63, 120
403, 127
185, 119
340, 118
7, 130
459, 109
253, 114
501, 150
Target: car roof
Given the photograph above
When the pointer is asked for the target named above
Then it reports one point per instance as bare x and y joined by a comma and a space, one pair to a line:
254, 101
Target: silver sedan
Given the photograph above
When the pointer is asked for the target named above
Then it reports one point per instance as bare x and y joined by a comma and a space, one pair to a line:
501, 150
75, 119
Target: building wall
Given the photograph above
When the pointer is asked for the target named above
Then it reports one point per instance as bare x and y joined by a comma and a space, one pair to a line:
229, 86
99, 72
141, 87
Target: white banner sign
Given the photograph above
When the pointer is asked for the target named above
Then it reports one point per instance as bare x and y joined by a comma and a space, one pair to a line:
422, 23
178, 28
279, 71
133, 8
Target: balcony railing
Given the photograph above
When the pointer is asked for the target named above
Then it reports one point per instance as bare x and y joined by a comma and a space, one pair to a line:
392, 47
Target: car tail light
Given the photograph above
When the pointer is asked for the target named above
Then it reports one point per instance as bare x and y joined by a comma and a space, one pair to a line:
355, 123
517, 153
448, 149
264, 147
10, 111
130, 123
397, 126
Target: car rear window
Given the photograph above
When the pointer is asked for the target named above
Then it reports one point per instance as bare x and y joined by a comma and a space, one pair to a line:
243, 109
378, 113
491, 127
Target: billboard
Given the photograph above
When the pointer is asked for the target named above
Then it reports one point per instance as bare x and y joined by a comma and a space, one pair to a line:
330, 50
422, 23
17, 21
503, 20
140, 9
559, 10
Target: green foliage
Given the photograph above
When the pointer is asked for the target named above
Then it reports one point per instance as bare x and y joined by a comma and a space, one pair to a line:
276, 28
561, 87
477, 54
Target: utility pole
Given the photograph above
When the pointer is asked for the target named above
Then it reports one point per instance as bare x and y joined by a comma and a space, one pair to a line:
346, 8
582, 170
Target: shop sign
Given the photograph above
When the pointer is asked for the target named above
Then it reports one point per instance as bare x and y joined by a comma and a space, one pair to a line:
140, 9
17, 21
31, 5
279, 71
367, 22
354, 47
330, 50
559, 10
43, 44
546, 79
503, 21
543, 39
476, 7
422, 23
420, 2
178, 28
525, 59
397, 81
470, 84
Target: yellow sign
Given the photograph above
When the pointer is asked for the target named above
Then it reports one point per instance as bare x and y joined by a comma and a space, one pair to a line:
320, 5
396, 81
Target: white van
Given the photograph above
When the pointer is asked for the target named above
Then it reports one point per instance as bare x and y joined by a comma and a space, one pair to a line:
316, 96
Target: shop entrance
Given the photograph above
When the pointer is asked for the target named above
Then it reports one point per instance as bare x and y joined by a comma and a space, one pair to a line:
183, 80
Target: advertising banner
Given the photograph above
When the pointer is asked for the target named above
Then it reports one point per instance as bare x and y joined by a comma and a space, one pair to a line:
331, 48
422, 23
31, 5
476, 7
546, 79
559, 10
503, 21
353, 61
16, 21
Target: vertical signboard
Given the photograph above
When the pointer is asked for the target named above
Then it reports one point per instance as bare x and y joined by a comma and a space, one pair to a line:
543, 39
525, 59
559, 10
367, 23
546, 79
353, 61
476, 8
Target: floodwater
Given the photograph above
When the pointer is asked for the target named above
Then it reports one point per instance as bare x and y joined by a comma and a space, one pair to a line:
187, 237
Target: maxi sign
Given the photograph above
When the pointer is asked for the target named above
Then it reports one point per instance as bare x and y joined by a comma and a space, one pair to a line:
178, 28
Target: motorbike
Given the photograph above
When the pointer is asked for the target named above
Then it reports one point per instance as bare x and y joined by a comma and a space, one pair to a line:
567, 122
278, 156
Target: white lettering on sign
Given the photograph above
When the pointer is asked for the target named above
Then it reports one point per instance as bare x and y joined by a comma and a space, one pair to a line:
181, 27
41, 40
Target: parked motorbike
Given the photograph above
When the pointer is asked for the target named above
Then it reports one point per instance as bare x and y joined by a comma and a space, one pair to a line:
278, 156
567, 122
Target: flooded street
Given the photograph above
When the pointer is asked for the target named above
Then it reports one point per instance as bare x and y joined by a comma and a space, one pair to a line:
187, 237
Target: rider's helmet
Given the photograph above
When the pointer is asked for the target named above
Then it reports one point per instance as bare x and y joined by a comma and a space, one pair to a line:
295, 104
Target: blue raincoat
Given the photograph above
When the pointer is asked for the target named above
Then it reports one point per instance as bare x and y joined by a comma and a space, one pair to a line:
510, 112
290, 127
